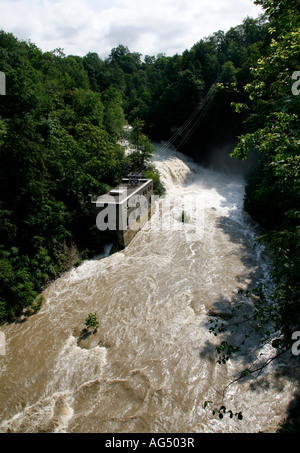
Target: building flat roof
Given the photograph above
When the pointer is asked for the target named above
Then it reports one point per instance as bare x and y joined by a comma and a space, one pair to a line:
122, 192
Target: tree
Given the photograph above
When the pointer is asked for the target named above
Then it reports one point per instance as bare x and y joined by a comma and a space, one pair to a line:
57, 146
143, 148
114, 118
228, 74
283, 12
273, 189
272, 192
91, 322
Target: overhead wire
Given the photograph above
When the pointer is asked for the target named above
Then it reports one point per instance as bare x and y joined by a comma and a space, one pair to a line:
190, 131
204, 104
201, 108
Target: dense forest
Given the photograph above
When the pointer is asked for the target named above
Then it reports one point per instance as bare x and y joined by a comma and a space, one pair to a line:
59, 143
62, 118
273, 183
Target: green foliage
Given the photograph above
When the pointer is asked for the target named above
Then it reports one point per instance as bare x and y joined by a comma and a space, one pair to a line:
223, 410
59, 126
184, 218
91, 322
63, 115
57, 145
163, 91
114, 118
151, 173
225, 350
143, 147
273, 185
273, 190
285, 13
228, 74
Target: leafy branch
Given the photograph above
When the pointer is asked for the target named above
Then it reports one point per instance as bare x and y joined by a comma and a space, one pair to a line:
248, 371
91, 323
223, 410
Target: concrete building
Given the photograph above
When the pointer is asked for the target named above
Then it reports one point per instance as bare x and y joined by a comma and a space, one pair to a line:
125, 209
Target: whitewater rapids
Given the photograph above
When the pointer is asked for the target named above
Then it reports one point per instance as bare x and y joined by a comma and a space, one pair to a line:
152, 363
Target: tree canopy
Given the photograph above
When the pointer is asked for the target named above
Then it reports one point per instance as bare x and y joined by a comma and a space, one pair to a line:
62, 118
60, 123
273, 190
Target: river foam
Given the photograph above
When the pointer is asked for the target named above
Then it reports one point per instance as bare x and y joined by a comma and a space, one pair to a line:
152, 363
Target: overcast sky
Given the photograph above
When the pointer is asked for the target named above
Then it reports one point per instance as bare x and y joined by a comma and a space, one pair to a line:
146, 26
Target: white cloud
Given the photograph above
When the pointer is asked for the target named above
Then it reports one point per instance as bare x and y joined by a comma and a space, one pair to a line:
145, 26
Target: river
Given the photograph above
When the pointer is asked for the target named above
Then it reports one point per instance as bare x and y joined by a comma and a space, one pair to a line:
152, 363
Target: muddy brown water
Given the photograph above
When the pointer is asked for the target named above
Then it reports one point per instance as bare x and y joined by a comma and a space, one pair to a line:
152, 363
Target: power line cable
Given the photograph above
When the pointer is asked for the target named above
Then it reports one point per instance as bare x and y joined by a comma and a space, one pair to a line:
208, 98
201, 108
